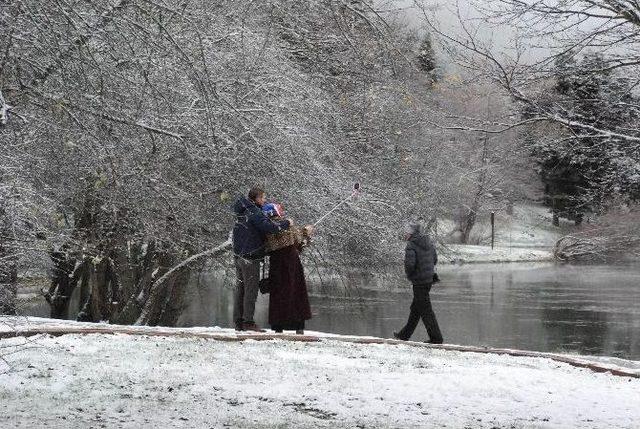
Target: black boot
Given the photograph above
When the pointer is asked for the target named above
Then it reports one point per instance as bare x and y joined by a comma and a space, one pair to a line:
238, 326
397, 336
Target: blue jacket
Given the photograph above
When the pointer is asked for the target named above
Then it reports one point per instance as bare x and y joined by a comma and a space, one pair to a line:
250, 229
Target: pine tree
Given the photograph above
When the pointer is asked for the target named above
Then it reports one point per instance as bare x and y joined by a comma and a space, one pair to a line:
426, 56
582, 173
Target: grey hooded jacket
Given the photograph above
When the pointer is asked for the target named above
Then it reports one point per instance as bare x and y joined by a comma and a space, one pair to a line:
420, 258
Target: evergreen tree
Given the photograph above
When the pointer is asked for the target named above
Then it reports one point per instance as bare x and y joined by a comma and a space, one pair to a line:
583, 172
426, 56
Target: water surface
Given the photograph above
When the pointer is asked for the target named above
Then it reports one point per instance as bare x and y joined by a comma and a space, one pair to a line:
592, 309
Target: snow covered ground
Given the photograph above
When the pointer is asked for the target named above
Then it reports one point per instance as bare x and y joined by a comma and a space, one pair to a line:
129, 381
485, 254
526, 236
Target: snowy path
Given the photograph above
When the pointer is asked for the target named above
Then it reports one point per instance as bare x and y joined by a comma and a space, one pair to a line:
133, 381
31, 326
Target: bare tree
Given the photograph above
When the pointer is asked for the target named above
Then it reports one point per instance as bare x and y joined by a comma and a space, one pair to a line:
553, 68
132, 125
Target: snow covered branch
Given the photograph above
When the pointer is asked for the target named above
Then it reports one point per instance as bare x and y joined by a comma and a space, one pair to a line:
159, 284
4, 111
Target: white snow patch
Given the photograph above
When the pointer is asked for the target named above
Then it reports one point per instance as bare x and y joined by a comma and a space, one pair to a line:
485, 254
526, 236
139, 381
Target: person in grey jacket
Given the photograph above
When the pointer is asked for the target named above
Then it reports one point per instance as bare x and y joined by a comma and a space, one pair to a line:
419, 264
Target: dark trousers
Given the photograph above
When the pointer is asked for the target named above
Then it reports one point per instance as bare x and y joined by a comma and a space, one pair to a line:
246, 292
421, 309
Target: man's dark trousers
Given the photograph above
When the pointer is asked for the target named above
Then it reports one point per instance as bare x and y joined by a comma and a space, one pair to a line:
421, 308
246, 291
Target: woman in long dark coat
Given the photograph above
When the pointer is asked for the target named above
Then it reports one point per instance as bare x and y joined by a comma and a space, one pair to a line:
288, 299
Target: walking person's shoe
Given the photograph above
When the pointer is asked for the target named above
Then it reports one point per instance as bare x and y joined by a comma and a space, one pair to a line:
397, 336
238, 326
251, 326
434, 341
300, 331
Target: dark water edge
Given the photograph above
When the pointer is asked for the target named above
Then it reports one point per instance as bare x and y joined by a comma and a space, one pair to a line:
582, 309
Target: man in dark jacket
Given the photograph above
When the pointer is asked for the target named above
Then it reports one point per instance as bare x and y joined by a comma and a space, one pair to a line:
249, 233
419, 262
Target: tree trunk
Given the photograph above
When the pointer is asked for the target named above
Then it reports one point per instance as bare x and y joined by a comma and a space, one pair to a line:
157, 296
175, 302
166, 281
85, 293
556, 218
132, 308
8, 267
8, 283
510, 207
469, 220
63, 282
99, 299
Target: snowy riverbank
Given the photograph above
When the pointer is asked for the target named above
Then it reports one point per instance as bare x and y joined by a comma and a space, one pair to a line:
527, 235
132, 381
465, 254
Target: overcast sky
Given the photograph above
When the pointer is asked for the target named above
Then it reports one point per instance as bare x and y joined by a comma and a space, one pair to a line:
443, 14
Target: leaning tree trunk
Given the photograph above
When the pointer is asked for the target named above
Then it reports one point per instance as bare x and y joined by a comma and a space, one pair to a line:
175, 302
469, 218
99, 286
157, 297
468, 222
69, 262
8, 269
133, 298
162, 285
64, 278
117, 283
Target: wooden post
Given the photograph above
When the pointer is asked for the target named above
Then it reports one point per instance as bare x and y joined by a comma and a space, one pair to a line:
493, 229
